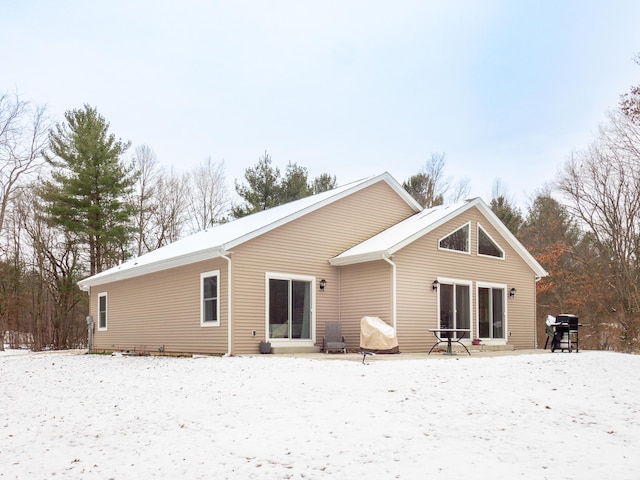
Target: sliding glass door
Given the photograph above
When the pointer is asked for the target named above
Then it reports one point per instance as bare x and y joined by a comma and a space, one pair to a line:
455, 305
491, 312
289, 309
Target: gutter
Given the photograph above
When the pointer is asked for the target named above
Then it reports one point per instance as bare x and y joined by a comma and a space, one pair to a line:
393, 288
229, 330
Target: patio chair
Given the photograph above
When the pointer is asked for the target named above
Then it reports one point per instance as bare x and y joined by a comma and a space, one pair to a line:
333, 339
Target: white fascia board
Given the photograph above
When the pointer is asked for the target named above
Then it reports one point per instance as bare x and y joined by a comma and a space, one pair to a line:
361, 258
399, 189
138, 270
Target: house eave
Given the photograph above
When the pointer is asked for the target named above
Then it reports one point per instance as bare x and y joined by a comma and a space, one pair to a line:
127, 271
364, 257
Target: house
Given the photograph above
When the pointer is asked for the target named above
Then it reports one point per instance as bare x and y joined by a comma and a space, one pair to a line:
362, 249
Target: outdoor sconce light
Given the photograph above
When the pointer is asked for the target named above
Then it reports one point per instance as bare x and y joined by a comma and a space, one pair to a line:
323, 283
512, 292
434, 285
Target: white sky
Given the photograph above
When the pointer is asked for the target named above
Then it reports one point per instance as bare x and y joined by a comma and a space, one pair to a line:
505, 89
539, 416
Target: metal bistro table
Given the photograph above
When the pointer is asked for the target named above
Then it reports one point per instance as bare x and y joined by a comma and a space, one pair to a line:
449, 335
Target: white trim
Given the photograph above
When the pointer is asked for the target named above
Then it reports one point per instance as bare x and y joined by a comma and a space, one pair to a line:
106, 312
394, 293
484, 230
229, 299
312, 292
468, 252
503, 287
203, 275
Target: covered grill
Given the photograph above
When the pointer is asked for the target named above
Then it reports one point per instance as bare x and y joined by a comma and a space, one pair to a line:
565, 333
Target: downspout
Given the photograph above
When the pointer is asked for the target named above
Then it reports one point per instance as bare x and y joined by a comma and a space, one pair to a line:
229, 335
393, 288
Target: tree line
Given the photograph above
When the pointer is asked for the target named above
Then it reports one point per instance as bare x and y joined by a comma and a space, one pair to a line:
73, 202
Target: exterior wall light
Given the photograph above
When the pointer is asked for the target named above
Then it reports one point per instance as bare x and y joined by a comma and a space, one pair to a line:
434, 285
512, 292
323, 283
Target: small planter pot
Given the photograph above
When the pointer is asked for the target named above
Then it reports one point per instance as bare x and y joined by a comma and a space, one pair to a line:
265, 347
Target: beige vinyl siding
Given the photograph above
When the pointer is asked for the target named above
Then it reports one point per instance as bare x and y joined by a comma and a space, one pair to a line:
421, 262
160, 312
366, 290
304, 247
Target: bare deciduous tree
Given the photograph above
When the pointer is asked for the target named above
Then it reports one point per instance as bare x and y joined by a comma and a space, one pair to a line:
170, 213
59, 312
145, 198
23, 135
430, 185
208, 198
602, 185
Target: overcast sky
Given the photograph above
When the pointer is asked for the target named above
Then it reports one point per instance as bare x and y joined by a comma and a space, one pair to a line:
506, 89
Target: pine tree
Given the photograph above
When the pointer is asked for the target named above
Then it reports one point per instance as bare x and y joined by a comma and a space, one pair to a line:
90, 183
262, 190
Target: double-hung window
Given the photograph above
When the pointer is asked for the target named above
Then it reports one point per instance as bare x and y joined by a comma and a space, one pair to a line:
102, 311
210, 298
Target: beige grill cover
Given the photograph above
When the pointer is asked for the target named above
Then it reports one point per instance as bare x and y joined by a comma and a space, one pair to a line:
377, 336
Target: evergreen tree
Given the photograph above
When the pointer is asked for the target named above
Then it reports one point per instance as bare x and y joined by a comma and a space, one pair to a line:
295, 184
262, 190
265, 188
422, 188
90, 183
324, 182
510, 215
429, 186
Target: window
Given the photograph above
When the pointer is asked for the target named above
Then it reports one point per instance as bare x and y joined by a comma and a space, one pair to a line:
457, 240
102, 311
486, 245
491, 312
289, 314
210, 295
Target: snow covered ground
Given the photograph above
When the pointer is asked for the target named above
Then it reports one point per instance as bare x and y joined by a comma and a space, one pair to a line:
538, 416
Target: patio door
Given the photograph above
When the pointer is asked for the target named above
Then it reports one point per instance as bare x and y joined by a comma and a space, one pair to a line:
491, 312
289, 315
455, 305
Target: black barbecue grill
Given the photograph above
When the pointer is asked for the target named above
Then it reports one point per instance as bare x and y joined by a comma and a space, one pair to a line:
565, 333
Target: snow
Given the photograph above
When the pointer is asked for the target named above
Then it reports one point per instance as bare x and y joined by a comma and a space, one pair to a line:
533, 416
218, 239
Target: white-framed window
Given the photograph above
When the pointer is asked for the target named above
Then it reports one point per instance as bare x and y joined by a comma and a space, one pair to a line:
210, 299
102, 311
487, 246
290, 307
492, 311
458, 240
